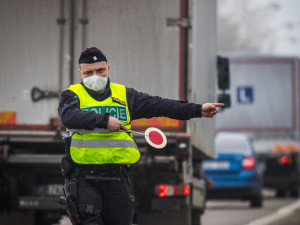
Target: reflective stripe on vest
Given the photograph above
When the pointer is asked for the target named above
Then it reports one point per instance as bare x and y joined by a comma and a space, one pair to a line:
102, 143
99, 146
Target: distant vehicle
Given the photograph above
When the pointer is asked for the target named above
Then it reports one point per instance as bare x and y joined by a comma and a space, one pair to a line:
234, 173
265, 102
283, 165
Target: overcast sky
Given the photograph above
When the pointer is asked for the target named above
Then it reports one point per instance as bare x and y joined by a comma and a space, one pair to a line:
275, 24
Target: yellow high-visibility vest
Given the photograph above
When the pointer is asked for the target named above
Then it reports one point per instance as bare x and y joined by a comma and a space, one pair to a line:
99, 146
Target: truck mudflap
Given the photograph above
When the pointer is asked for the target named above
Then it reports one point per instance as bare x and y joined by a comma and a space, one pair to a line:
198, 194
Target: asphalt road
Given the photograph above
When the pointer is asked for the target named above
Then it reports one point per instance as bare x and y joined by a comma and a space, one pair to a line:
233, 212
275, 211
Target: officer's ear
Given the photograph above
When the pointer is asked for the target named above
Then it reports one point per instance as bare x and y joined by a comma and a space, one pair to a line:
81, 76
108, 66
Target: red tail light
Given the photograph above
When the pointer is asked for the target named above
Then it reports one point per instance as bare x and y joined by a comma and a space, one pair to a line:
248, 163
163, 190
186, 190
285, 160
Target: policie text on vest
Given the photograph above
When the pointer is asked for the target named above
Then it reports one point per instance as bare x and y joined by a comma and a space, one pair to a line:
116, 111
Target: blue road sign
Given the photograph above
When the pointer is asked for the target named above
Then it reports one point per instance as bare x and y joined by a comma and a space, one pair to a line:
245, 95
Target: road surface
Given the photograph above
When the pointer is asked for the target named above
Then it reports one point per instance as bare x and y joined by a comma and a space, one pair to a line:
232, 212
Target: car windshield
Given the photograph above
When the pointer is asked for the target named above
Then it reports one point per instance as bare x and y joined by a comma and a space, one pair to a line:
232, 145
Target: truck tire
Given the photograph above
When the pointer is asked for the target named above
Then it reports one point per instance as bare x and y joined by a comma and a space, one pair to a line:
47, 217
196, 217
294, 192
256, 201
280, 192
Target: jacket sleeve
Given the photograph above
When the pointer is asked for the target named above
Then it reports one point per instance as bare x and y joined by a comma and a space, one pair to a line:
142, 105
73, 118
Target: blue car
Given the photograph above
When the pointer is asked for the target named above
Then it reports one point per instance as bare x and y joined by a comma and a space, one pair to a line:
234, 174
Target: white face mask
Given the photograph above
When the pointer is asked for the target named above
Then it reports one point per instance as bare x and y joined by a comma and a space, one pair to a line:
95, 82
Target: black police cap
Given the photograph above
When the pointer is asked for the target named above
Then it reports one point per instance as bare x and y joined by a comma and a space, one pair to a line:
91, 55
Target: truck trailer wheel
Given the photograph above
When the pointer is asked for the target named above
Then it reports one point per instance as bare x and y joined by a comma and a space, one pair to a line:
47, 217
256, 201
294, 192
280, 192
196, 217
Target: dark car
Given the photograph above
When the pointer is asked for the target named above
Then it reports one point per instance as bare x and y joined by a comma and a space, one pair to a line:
234, 171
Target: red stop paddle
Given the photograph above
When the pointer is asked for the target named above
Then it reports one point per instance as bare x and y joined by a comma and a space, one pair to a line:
155, 137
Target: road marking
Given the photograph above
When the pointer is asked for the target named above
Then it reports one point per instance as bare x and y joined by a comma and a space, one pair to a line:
279, 214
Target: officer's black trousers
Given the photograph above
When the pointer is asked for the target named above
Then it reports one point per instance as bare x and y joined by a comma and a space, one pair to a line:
112, 197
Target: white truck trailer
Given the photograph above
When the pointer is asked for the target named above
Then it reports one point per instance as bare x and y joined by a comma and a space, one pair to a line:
264, 94
161, 47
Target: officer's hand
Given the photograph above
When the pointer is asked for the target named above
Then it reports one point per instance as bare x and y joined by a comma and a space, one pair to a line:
114, 125
210, 109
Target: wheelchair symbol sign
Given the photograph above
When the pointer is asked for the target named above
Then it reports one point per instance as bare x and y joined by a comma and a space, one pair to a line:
245, 95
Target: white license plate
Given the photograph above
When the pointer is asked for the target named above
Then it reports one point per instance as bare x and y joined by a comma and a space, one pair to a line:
221, 165
53, 189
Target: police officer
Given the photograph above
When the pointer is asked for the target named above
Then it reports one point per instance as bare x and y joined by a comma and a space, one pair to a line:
99, 148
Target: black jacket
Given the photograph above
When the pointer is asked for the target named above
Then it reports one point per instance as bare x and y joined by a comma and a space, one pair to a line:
140, 105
